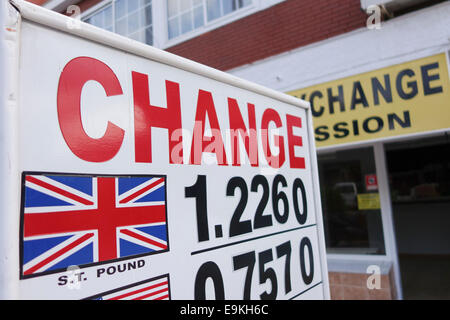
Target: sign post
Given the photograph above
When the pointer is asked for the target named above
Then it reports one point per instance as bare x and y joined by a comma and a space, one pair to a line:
140, 174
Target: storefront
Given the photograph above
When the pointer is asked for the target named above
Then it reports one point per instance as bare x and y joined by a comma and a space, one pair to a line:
381, 106
384, 164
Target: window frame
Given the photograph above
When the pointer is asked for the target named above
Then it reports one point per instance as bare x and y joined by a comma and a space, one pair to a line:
103, 4
96, 9
208, 25
391, 254
160, 20
255, 6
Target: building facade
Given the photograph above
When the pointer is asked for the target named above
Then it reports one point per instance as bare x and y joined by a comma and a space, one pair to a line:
376, 73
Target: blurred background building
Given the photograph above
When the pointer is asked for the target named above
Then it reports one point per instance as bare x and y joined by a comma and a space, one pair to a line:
376, 74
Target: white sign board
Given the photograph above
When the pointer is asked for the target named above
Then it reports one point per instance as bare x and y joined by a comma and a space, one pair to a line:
143, 175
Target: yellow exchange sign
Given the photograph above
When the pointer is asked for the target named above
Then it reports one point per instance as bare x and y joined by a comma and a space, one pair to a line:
402, 99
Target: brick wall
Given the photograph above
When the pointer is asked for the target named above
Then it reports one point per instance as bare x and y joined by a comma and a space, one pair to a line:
353, 286
288, 25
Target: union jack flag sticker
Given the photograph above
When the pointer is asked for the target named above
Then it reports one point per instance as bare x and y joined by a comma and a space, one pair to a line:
152, 289
84, 220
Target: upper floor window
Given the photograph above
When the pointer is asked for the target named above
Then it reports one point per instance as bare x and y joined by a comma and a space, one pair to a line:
164, 23
102, 18
130, 18
187, 15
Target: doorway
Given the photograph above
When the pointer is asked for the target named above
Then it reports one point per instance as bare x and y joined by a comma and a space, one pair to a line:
419, 179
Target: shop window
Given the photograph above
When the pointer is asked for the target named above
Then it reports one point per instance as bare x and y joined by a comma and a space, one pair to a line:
187, 15
130, 18
350, 202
